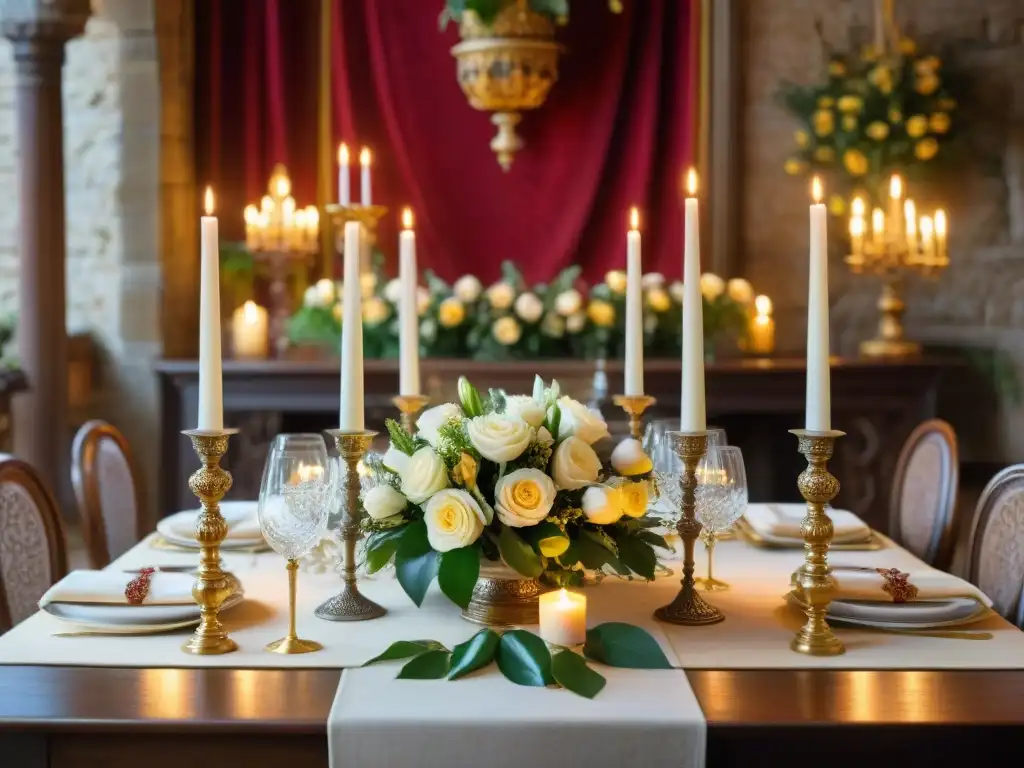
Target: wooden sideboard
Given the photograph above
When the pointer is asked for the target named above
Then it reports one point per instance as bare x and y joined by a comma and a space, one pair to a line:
756, 401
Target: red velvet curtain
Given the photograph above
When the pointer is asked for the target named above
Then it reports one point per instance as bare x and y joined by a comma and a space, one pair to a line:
617, 129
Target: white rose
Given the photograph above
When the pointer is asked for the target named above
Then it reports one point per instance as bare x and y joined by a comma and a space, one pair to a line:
454, 520
652, 280
383, 501
501, 295
422, 300
394, 459
600, 505
393, 290
676, 291
375, 310
553, 325
429, 424
507, 331
499, 438
525, 408
629, 458
711, 286
740, 291
367, 284
616, 280
524, 497
544, 437
424, 475
529, 307
324, 292
311, 298
467, 288
581, 421
576, 322
568, 302
575, 464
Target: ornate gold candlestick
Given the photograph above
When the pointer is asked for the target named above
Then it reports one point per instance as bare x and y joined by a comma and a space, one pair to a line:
212, 586
814, 577
367, 215
634, 406
350, 604
410, 406
689, 608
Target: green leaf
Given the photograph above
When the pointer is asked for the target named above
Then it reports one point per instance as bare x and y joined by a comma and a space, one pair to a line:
381, 547
547, 539
593, 555
415, 573
401, 439
458, 573
600, 537
572, 673
473, 654
469, 398
524, 658
403, 649
624, 645
413, 540
518, 555
570, 557
432, 665
653, 539
638, 556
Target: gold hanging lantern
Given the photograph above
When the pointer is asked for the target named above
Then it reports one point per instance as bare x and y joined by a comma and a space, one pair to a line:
506, 67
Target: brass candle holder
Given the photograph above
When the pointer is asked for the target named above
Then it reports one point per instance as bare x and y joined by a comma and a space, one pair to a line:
367, 215
814, 578
212, 586
410, 406
350, 604
689, 608
634, 406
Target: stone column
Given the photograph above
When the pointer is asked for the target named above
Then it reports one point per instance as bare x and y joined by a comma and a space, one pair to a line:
38, 30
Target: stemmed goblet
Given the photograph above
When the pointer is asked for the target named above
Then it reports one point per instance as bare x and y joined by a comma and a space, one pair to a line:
299, 484
721, 500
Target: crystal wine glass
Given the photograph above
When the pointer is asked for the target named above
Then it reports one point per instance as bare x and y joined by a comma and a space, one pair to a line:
668, 467
721, 500
299, 485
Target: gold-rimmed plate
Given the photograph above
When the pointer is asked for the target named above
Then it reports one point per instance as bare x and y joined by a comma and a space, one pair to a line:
746, 532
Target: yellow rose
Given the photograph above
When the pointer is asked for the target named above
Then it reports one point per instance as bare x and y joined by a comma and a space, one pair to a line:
878, 130
837, 205
895, 115
451, 312
850, 123
855, 161
633, 498
826, 102
946, 104
926, 149
794, 166
927, 65
926, 85
825, 154
836, 68
601, 313
824, 122
506, 330
336, 311
616, 280
524, 497
881, 78
850, 103
803, 139
908, 47
917, 126
375, 310
939, 122
658, 300
629, 458
869, 53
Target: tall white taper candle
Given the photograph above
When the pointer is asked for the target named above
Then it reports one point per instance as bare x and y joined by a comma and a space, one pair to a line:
818, 416
634, 367
211, 402
350, 416
692, 417
365, 187
344, 176
408, 317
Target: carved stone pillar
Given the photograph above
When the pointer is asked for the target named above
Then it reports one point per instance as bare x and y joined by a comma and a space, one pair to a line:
39, 30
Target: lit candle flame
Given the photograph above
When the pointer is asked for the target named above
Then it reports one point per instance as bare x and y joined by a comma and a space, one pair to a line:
895, 187
910, 214
407, 218
857, 226
634, 218
343, 154
563, 598
691, 183
208, 201
252, 215
364, 156
940, 223
282, 186
857, 206
927, 228
763, 305
878, 221
816, 189
250, 312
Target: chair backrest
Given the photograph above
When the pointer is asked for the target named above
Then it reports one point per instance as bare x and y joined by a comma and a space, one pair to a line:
33, 550
922, 509
108, 492
996, 563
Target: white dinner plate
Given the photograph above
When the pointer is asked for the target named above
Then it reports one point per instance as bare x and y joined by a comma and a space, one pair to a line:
131, 617
919, 614
177, 528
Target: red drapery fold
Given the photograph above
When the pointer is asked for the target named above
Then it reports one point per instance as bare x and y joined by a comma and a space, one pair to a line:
618, 129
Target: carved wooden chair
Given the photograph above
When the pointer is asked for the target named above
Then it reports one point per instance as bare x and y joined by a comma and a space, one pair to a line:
996, 564
108, 492
922, 509
33, 550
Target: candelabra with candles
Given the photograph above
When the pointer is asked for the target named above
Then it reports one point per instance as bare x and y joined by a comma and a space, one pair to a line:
345, 210
280, 234
897, 244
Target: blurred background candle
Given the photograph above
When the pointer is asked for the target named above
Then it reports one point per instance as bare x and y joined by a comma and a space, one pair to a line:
365, 187
563, 618
408, 317
692, 417
762, 328
818, 417
249, 330
211, 402
634, 363
350, 415
344, 180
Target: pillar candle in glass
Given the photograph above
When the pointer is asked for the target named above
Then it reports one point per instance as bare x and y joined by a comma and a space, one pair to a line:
563, 618
344, 176
408, 317
211, 401
692, 417
818, 417
762, 328
634, 365
350, 416
365, 185
896, 207
249, 331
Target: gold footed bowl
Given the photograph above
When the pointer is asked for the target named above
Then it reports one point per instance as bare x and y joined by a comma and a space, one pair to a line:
503, 598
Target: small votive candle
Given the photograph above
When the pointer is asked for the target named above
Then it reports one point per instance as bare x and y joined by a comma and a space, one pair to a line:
249, 330
563, 618
762, 328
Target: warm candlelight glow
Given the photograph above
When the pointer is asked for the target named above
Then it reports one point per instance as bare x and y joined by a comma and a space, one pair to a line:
251, 215
208, 201
927, 228
364, 156
910, 214
634, 218
816, 189
691, 183
306, 472
407, 218
895, 187
563, 618
940, 223
282, 186
857, 206
343, 154
250, 312
856, 226
878, 221
763, 305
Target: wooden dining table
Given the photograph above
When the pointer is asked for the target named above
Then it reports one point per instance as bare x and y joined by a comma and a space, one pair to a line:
72, 717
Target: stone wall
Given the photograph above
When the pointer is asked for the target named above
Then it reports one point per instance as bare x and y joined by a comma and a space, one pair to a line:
979, 302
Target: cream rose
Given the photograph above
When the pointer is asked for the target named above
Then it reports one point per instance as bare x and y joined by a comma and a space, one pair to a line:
553, 325
501, 295
429, 424
601, 505
616, 280
581, 421
394, 459
711, 286
324, 292
310, 298
506, 330
525, 408
568, 302
367, 284
467, 288
652, 280
575, 464
524, 497
393, 290
383, 501
629, 458
675, 290
529, 307
424, 475
454, 520
422, 300
576, 322
499, 438
739, 290
375, 310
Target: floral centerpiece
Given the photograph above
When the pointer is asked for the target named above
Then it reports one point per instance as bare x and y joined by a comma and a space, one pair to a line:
509, 479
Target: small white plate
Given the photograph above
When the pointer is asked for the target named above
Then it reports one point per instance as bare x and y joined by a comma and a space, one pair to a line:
131, 617
177, 528
922, 614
